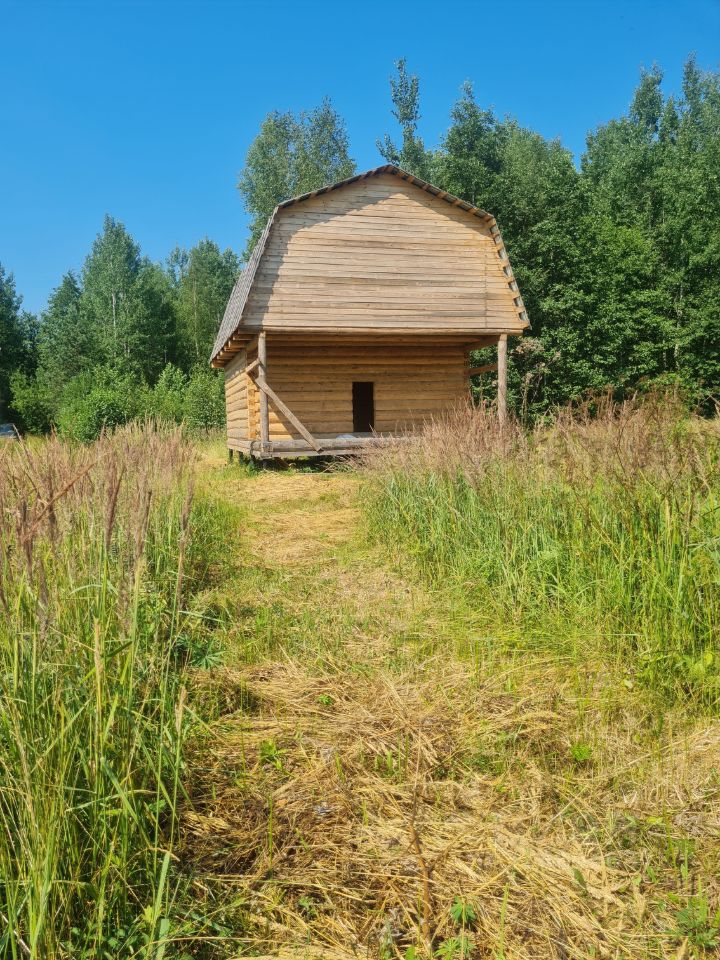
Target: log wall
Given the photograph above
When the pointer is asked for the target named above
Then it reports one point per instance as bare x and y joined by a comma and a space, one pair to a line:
411, 384
236, 398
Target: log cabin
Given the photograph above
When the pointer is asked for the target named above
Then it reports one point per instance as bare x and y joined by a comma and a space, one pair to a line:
355, 315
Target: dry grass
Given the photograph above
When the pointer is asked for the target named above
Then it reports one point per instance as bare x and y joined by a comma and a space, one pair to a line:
277, 498
352, 808
383, 765
380, 756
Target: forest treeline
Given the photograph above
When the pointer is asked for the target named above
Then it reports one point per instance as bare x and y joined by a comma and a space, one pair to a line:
126, 338
618, 260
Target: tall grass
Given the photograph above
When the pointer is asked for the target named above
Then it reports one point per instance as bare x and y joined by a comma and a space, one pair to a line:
95, 560
606, 526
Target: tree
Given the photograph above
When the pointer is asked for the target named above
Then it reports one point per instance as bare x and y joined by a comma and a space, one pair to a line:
33, 402
411, 155
64, 349
687, 231
653, 176
66, 344
126, 303
167, 400
18, 334
203, 280
292, 155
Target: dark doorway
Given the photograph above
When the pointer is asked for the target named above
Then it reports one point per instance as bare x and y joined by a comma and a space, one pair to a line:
363, 407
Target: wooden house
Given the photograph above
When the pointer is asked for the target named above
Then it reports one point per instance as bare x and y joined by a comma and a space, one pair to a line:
354, 317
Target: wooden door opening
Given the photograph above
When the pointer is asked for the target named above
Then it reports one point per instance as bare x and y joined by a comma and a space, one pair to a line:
363, 405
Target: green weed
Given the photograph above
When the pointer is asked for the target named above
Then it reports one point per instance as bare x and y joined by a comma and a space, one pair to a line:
698, 923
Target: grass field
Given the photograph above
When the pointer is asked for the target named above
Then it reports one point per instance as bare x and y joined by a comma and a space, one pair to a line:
463, 706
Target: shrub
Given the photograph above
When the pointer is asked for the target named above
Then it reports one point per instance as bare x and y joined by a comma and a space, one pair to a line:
32, 402
205, 400
167, 398
102, 399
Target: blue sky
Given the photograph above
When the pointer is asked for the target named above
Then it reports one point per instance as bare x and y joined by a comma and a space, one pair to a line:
144, 109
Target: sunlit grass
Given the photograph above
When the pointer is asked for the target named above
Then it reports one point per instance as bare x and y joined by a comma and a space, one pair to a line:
227, 711
101, 550
605, 528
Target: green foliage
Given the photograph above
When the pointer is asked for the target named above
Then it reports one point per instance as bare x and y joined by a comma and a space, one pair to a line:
167, 398
698, 923
17, 339
455, 948
67, 344
463, 912
292, 155
124, 340
271, 755
204, 406
126, 304
203, 279
32, 401
101, 399
580, 752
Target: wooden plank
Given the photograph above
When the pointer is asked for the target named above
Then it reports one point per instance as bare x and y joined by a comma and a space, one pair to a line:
385, 340
329, 444
399, 321
262, 365
374, 248
502, 379
380, 231
343, 298
286, 411
485, 368
472, 336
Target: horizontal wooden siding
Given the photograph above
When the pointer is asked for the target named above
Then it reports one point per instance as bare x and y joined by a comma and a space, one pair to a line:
380, 254
236, 398
411, 384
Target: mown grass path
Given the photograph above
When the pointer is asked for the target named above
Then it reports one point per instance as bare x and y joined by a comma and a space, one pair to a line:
385, 772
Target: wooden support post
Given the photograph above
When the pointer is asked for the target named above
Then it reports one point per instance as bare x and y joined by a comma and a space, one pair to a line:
264, 412
502, 378
485, 368
230, 455
287, 412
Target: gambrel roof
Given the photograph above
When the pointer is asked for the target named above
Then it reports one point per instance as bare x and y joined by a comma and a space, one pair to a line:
234, 313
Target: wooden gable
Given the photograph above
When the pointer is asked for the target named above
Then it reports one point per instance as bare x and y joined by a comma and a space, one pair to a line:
381, 253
